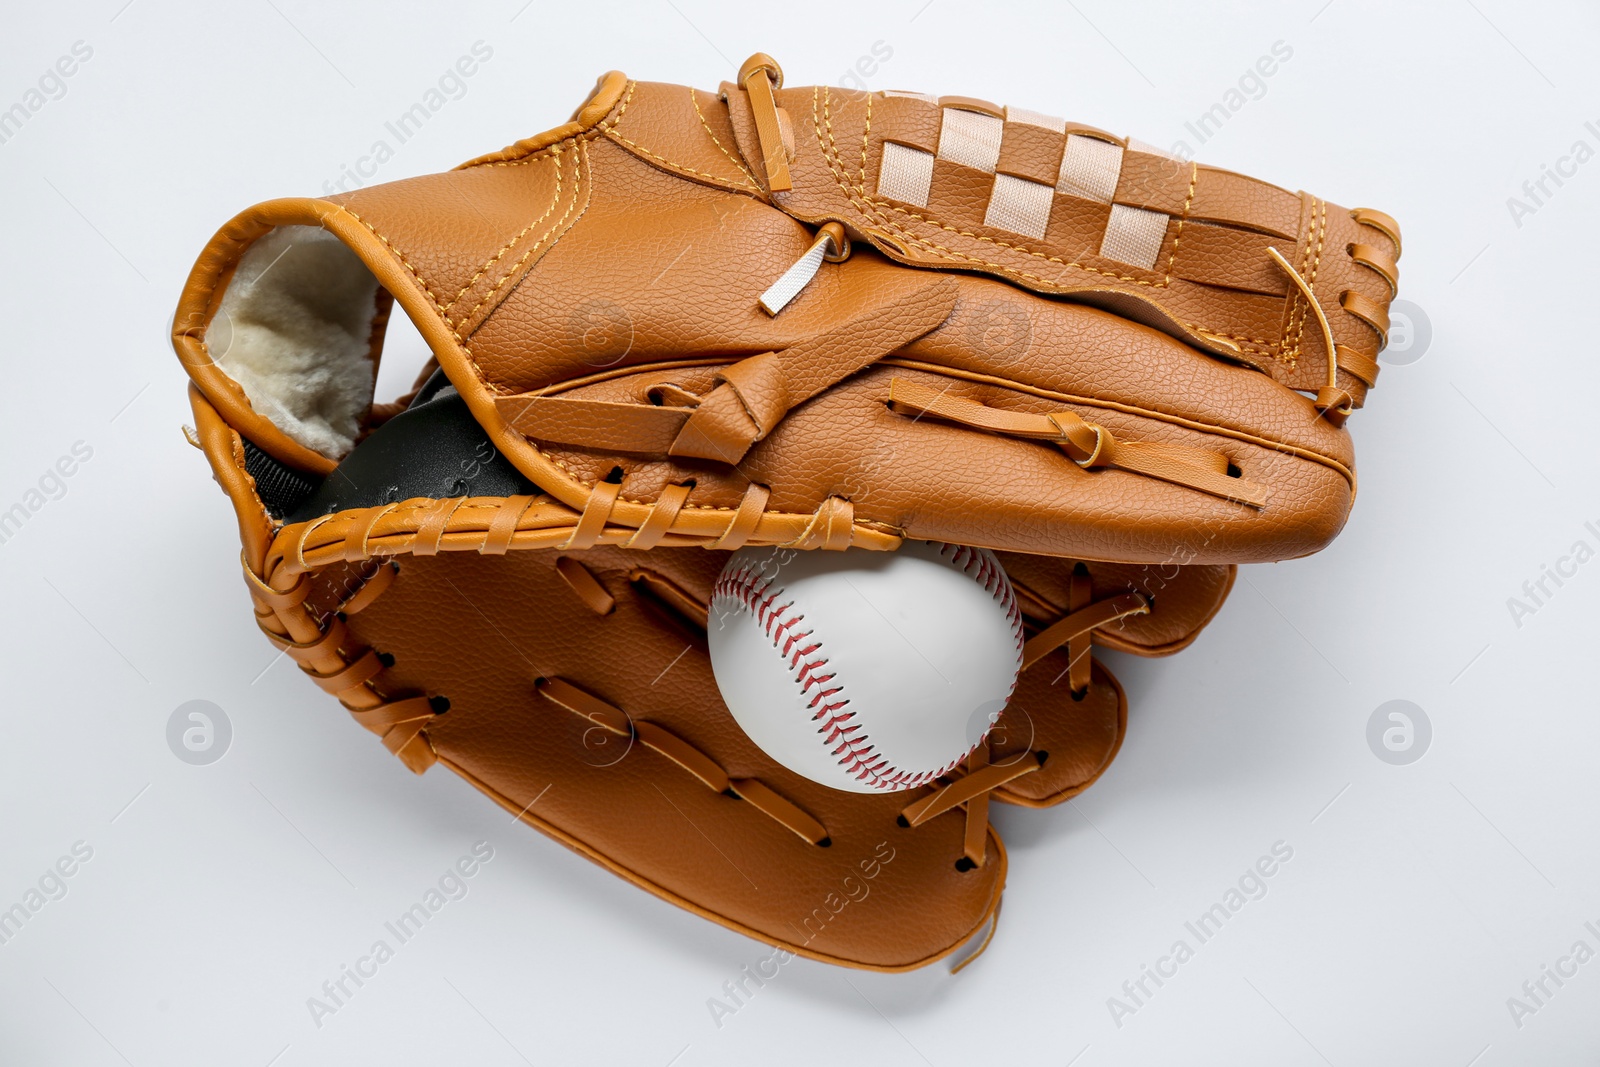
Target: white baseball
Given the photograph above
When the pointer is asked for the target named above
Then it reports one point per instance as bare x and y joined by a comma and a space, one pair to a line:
866, 671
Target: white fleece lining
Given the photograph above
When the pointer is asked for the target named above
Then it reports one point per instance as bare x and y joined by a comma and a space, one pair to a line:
294, 330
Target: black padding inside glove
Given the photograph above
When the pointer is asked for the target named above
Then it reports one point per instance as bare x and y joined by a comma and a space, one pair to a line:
435, 448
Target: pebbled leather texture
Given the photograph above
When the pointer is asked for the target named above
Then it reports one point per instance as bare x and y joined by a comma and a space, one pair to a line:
469, 637
635, 811
434, 448
615, 411
625, 253
1190, 289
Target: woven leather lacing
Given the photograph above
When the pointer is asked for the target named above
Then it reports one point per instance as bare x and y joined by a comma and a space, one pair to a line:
969, 789
495, 525
326, 652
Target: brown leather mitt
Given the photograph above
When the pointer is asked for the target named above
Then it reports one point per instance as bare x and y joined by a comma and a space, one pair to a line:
824, 318
574, 688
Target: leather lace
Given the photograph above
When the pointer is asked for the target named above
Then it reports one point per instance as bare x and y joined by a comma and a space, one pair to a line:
495, 525
1333, 401
1087, 444
967, 788
324, 649
759, 76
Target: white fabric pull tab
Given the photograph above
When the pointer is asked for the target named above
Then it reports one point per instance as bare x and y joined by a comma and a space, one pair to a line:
831, 244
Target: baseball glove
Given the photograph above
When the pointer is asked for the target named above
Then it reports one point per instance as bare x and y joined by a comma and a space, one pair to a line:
574, 688
822, 318
811, 318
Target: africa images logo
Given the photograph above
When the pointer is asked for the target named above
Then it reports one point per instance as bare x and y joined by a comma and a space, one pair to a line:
451, 85
1252, 885
1538, 592
51, 85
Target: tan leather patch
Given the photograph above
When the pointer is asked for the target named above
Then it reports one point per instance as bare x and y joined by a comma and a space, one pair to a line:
1222, 196
959, 195
1222, 255
1156, 183
1031, 152
907, 120
684, 131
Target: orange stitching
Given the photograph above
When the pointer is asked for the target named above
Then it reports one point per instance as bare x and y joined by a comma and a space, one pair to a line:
590, 134
1316, 263
681, 168
555, 201
622, 109
1263, 342
874, 209
1304, 306
1194, 177
569, 471
1299, 311
494, 388
735, 160
401, 256
1310, 262
577, 182
1014, 271
866, 136
1322, 233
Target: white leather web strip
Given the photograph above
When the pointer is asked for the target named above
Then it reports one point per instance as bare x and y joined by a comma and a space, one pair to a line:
1018, 205
1134, 235
906, 174
797, 277
1090, 168
971, 139
1034, 118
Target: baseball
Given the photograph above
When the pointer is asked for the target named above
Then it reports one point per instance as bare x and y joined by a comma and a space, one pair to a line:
866, 671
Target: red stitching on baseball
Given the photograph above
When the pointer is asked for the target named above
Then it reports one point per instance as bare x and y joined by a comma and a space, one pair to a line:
857, 756
988, 575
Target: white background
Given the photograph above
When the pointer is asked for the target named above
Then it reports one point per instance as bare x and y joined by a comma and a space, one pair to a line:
219, 898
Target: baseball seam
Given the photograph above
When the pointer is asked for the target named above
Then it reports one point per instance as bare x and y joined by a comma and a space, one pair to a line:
849, 742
